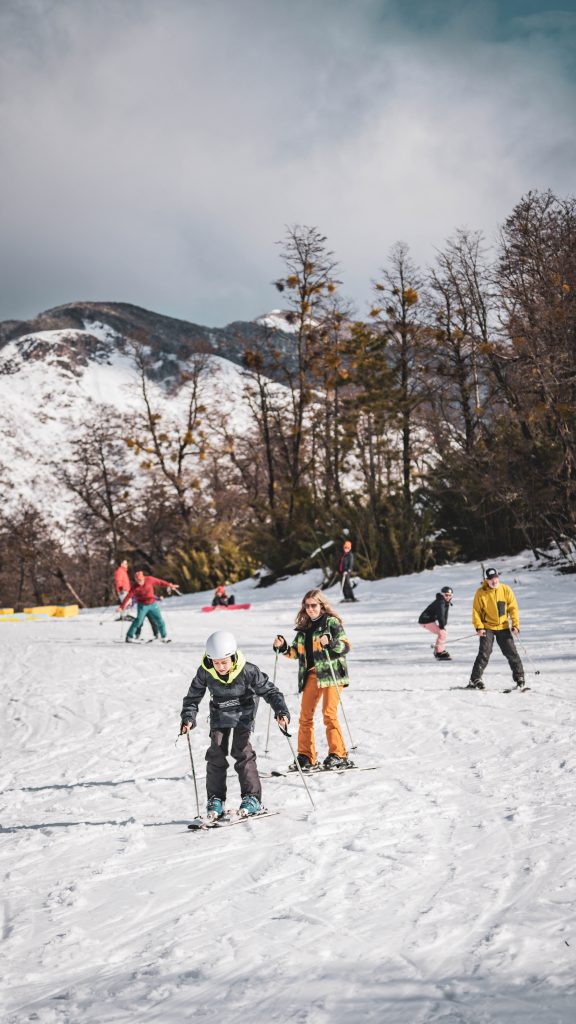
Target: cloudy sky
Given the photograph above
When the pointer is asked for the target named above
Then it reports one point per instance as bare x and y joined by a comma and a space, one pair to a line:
154, 151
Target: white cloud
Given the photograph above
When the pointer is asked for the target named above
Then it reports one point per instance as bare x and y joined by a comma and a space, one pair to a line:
154, 153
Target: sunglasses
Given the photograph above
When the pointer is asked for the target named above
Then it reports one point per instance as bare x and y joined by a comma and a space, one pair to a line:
312, 604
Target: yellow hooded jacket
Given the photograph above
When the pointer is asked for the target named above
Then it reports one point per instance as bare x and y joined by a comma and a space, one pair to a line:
492, 606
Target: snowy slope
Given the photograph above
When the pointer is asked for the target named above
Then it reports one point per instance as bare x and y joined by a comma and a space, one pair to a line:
440, 888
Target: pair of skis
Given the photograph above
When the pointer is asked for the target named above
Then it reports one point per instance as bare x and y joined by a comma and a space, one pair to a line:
276, 773
235, 818
203, 824
484, 689
140, 643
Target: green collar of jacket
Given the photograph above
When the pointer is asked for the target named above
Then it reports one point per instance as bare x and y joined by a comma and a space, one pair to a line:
233, 674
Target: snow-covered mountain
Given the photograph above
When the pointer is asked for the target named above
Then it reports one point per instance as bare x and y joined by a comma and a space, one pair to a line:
93, 326
56, 370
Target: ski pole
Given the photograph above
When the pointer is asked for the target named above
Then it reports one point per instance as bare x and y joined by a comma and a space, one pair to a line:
458, 638
270, 706
193, 774
336, 684
535, 670
107, 617
297, 763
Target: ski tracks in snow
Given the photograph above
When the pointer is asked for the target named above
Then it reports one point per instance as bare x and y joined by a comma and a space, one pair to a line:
439, 890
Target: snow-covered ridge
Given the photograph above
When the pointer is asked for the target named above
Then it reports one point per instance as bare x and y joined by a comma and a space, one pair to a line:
278, 320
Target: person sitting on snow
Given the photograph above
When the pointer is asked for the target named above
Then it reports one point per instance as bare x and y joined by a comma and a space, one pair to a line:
221, 598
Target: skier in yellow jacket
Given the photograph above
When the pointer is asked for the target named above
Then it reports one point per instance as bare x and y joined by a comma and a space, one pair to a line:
494, 607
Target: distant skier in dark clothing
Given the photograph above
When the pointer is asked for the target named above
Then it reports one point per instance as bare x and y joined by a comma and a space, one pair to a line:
234, 685
434, 618
345, 568
222, 598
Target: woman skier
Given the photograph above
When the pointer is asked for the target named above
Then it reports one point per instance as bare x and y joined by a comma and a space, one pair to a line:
320, 645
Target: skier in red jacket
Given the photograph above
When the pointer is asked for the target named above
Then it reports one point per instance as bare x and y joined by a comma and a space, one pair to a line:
122, 583
148, 607
122, 580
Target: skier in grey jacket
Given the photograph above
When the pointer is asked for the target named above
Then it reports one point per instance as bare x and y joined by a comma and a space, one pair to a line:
234, 685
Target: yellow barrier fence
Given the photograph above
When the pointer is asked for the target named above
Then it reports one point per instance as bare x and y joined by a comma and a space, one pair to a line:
53, 611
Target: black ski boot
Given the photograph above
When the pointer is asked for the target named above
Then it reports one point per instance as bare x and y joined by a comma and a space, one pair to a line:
333, 761
442, 656
475, 684
305, 764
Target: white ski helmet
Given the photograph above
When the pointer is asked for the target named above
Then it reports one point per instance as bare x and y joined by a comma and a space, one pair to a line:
221, 645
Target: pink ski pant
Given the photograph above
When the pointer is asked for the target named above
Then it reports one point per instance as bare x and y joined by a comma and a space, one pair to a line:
440, 635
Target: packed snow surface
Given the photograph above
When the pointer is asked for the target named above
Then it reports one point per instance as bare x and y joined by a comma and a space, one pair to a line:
440, 887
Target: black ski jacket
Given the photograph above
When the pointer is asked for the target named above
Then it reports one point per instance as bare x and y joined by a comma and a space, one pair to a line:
436, 612
233, 701
346, 562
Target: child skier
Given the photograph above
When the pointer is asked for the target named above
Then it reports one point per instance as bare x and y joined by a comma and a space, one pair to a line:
434, 618
234, 685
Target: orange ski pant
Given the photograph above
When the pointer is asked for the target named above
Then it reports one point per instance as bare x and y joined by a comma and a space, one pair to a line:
311, 696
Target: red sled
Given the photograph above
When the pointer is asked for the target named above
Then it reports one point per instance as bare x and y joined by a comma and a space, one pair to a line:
225, 607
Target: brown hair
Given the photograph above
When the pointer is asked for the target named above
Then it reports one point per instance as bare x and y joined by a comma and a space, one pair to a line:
303, 620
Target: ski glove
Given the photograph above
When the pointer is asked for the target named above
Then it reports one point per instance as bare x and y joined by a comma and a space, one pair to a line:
283, 646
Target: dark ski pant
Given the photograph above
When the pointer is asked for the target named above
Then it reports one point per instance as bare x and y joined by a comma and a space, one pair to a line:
153, 613
244, 756
505, 642
347, 588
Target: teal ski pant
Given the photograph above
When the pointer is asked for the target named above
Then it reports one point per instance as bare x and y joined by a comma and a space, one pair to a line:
151, 611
